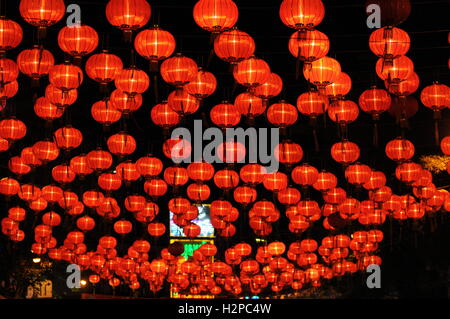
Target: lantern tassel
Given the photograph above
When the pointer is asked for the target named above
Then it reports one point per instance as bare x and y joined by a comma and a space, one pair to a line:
375, 131
437, 117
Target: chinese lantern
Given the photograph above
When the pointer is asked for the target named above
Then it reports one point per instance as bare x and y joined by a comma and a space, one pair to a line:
85, 223
42, 14
78, 40
181, 102
249, 105
121, 144
309, 45
200, 171
155, 187
322, 72
149, 166
9, 71
400, 149
105, 113
445, 145
289, 196
46, 110
176, 176
345, 152
304, 175
29, 158
408, 172
325, 181
109, 181
68, 137
198, 192
36, 62
375, 101
252, 174
358, 174
99, 160
177, 149
7, 91
163, 115
234, 45
46, 151
127, 171
52, 193
123, 227
203, 85
156, 229
215, 15
179, 70
60, 98
251, 72
302, 14
312, 104
343, 111
288, 153
9, 186
406, 87
339, 88
63, 174
231, 152
225, 115
128, 15
226, 179
271, 88
275, 182
389, 43
66, 76
124, 103
12, 129
282, 114
17, 166
376, 181
11, 34
155, 44
397, 71
103, 67
436, 96
132, 81
245, 195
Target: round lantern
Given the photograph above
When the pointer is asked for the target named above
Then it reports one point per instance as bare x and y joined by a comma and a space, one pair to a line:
203, 85
343, 111
200, 171
436, 96
78, 40
181, 102
43, 13
163, 115
60, 98
282, 114
179, 70
358, 174
302, 14
66, 76
225, 115
406, 87
128, 15
288, 153
251, 72
312, 104
99, 160
249, 105
322, 72
271, 88
121, 144
68, 138
105, 113
309, 45
234, 46
132, 81
11, 34
400, 149
155, 44
12, 129
389, 43
46, 110
375, 101
345, 152
103, 67
304, 175
396, 71
46, 151
125, 103
215, 15
36, 62
339, 88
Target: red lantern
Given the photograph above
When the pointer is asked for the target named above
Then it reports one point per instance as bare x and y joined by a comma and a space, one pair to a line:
304, 175
312, 104
155, 187
225, 115
11, 34
252, 174
63, 174
375, 101
251, 72
234, 46
309, 45
406, 87
60, 98
78, 40
245, 195
179, 70
400, 69
105, 113
123, 227
9, 186
46, 151
149, 166
358, 174
163, 115
282, 114
249, 105
302, 14
389, 43
231, 152
46, 110
181, 102
436, 96
66, 76
12, 129
51, 193
445, 145
43, 13
275, 182
177, 149
271, 88
325, 181
322, 72
128, 15
132, 81
203, 85
17, 166
36, 62
103, 67
198, 192
289, 196
400, 149
99, 160
68, 137
121, 144
85, 223
176, 176
156, 229
345, 152
343, 111
339, 88
215, 15
226, 179
29, 158
200, 171
109, 181
155, 44
9, 71
127, 171
408, 172
288, 153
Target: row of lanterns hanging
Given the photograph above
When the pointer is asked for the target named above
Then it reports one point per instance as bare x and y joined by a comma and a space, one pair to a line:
242, 267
